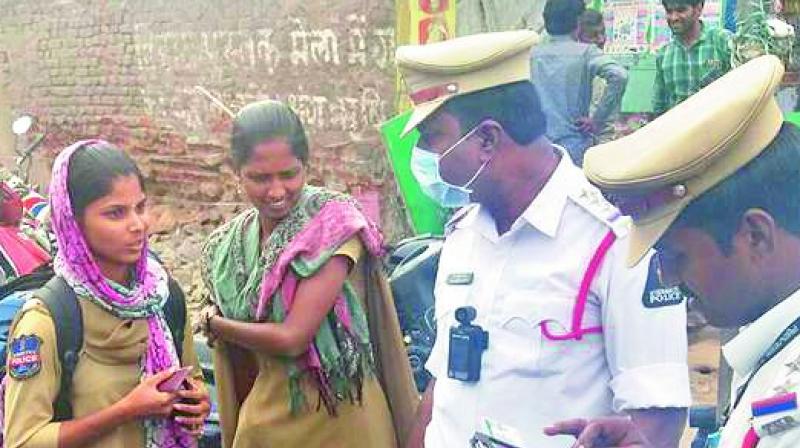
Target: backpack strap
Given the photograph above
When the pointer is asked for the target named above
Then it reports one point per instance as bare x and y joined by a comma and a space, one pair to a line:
175, 315
61, 301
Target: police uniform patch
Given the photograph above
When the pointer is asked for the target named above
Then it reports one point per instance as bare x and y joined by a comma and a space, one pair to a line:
656, 298
25, 358
655, 294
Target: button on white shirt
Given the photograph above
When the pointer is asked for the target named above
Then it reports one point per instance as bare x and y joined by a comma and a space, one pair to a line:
781, 374
531, 274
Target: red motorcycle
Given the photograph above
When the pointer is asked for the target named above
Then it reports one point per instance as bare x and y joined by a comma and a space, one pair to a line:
24, 240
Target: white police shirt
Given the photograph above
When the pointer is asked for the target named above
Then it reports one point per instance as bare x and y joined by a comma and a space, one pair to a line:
778, 377
531, 274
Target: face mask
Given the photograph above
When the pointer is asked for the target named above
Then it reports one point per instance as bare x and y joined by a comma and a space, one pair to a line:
425, 167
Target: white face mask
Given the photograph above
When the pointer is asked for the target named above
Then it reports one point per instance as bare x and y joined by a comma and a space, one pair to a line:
425, 167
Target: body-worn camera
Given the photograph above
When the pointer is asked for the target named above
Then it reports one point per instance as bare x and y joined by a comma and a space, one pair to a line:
467, 343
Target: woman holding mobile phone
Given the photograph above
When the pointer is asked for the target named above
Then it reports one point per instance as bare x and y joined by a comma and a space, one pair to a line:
128, 351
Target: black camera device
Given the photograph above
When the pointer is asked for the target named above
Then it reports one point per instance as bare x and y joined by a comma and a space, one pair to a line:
467, 343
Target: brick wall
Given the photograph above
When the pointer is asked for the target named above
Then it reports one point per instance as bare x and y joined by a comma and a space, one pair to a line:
126, 70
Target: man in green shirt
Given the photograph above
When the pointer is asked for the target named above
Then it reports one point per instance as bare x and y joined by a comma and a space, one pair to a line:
697, 54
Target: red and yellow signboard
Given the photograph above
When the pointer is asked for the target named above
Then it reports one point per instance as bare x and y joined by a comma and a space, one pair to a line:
432, 20
423, 22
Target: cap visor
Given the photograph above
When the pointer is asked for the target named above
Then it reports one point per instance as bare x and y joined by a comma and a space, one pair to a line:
419, 114
644, 236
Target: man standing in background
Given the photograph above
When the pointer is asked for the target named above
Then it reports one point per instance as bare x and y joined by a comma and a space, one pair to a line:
592, 29
564, 69
697, 54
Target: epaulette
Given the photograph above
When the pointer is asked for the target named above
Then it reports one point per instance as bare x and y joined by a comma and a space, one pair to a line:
30, 304
460, 214
590, 199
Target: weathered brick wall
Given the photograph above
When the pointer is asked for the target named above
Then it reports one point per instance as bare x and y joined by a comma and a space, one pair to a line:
126, 71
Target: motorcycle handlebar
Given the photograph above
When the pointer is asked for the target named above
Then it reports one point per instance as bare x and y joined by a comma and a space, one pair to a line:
30, 149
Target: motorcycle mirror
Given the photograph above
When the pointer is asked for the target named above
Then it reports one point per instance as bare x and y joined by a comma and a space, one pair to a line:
22, 124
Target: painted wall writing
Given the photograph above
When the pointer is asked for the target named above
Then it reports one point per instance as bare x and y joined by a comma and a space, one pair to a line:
127, 71
265, 48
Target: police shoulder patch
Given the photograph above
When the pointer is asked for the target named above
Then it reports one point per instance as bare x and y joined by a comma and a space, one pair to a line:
25, 357
657, 295
656, 298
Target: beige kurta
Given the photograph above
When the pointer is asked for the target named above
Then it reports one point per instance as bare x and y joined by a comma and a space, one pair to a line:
107, 370
264, 419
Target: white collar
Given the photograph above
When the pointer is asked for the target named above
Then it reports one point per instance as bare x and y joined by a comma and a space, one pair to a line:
547, 207
744, 351
544, 212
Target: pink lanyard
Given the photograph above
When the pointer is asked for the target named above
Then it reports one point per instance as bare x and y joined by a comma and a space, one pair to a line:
750, 439
579, 310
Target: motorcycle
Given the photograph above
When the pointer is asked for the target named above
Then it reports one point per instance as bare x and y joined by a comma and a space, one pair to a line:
20, 127
36, 209
411, 266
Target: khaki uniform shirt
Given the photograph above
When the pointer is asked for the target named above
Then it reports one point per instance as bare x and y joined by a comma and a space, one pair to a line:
107, 370
264, 418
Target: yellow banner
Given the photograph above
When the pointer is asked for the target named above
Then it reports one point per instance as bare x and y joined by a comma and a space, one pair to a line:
422, 22
432, 20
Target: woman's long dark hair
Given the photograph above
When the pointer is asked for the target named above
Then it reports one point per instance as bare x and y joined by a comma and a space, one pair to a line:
262, 121
92, 171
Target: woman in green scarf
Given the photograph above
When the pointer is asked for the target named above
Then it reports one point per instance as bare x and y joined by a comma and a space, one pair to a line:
307, 346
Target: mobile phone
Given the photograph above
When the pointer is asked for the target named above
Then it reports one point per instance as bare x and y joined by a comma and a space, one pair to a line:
175, 381
481, 440
497, 435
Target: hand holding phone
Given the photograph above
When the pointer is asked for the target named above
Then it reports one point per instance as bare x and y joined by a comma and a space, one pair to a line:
175, 381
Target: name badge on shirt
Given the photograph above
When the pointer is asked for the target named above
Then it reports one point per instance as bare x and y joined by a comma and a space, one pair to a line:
775, 415
776, 426
460, 278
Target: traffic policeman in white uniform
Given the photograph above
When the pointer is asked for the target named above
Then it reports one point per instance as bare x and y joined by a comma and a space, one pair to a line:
715, 184
538, 316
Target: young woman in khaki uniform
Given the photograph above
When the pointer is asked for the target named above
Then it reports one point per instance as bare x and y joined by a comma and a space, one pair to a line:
128, 350
308, 349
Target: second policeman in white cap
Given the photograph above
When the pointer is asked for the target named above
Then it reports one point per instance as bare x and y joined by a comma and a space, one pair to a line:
714, 184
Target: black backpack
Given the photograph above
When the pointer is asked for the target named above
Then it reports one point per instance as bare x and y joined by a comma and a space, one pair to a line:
61, 301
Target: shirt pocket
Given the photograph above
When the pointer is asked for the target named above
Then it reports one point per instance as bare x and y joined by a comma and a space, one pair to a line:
528, 350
